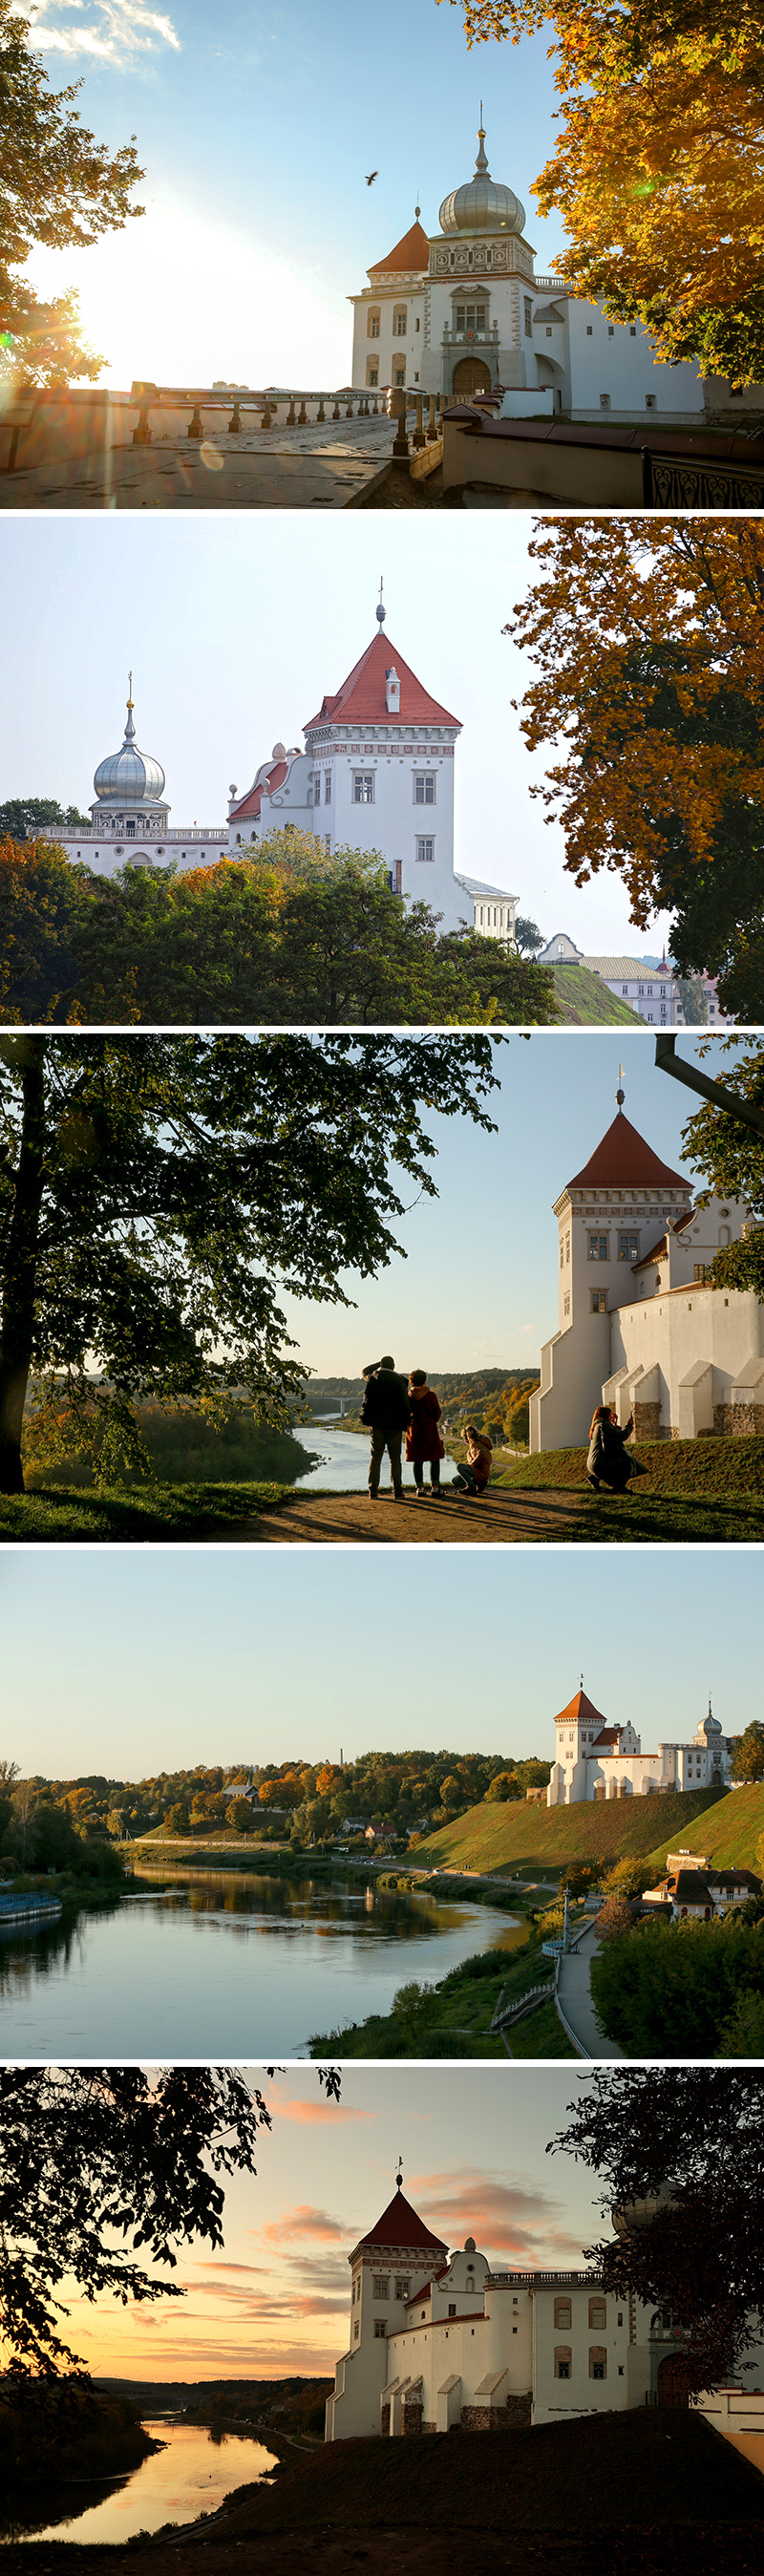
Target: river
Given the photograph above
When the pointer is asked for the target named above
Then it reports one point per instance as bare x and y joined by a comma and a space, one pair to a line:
227, 1964
191, 2475
344, 1459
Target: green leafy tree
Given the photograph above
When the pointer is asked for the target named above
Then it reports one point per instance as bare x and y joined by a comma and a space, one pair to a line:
743, 2034
22, 817
528, 937
748, 1758
412, 2005
58, 189
259, 940
731, 1158
505, 1784
651, 2130
578, 1879
42, 898
177, 1819
154, 1190
45, 347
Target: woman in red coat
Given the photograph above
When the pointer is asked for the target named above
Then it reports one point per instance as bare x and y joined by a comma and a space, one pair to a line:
423, 1440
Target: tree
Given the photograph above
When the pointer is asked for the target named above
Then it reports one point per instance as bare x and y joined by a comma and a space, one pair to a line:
578, 1879
59, 188
647, 637
748, 1755
701, 2257
505, 1784
153, 1190
42, 904
528, 937
22, 817
45, 347
92, 2155
731, 1158
25, 1804
660, 135
264, 939
240, 1817
177, 1819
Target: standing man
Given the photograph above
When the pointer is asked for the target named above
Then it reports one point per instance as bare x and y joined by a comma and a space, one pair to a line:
387, 1410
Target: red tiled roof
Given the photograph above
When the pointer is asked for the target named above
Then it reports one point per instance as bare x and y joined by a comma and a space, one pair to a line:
609, 1735
362, 696
579, 1712
623, 1160
657, 1253
251, 804
401, 2225
412, 252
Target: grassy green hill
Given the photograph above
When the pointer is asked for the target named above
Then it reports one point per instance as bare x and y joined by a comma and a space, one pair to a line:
583, 1002
512, 1836
729, 1834
725, 1470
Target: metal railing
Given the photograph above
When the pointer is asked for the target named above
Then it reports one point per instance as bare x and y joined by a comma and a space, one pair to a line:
528, 2002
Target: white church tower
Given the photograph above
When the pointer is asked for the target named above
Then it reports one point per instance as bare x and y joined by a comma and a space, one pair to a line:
398, 2256
609, 1214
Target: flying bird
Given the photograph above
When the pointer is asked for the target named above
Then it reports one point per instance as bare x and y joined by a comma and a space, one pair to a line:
373, 174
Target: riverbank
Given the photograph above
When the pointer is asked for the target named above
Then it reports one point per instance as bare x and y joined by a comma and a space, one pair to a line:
62, 2430
455, 2017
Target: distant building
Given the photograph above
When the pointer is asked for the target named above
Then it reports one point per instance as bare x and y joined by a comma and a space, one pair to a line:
594, 1761
694, 1888
652, 991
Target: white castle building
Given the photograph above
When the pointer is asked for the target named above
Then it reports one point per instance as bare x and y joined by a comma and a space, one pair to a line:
640, 1327
652, 991
461, 313
594, 1761
438, 2341
377, 773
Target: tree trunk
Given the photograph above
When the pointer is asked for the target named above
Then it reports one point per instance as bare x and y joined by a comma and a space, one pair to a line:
20, 1269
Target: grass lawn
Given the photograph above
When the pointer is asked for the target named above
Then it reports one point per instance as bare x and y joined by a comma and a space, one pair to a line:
61, 1512
729, 1832
541, 2036
513, 1835
583, 1002
692, 1489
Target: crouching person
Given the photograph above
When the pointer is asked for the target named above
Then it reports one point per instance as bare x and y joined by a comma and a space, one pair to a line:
472, 1478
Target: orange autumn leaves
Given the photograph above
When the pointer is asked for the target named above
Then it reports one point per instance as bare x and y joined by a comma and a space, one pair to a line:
659, 169
616, 606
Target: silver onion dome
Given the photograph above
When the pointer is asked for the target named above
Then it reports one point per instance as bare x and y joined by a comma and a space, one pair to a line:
483, 205
709, 1725
129, 777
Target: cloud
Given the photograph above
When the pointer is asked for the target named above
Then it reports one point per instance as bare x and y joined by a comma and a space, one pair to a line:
303, 2221
111, 31
508, 2218
304, 2113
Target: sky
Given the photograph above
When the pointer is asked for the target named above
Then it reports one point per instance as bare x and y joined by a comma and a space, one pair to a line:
235, 625
276, 2300
151, 1660
256, 127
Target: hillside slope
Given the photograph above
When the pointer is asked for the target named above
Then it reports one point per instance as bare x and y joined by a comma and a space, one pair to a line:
516, 1836
584, 1002
729, 1834
727, 1470
570, 2477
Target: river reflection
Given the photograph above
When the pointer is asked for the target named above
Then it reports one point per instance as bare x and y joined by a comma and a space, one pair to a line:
189, 2476
227, 1964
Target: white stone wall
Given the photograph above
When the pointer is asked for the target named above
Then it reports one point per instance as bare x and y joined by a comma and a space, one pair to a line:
627, 2366
699, 1346
392, 821
196, 848
353, 2407
389, 358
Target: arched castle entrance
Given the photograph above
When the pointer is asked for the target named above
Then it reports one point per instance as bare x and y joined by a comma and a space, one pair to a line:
471, 376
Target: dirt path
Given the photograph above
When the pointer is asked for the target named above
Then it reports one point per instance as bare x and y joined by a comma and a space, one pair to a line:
499, 1519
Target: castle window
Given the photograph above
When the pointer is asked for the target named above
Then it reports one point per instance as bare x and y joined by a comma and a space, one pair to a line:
373, 327
598, 1247
528, 317
327, 787
610, 331
632, 330
399, 376
566, 1302
363, 787
628, 1247
425, 850
562, 2315
424, 788
562, 2360
549, 330
452, 2308
604, 402
598, 1301
597, 2361
380, 2330
372, 373
597, 2312
400, 321
589, 328
381, 2285
356, 2330
402, 2289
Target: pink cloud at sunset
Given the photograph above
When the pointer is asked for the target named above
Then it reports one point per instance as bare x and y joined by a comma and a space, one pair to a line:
307, 2113
503, 2218
302, 2221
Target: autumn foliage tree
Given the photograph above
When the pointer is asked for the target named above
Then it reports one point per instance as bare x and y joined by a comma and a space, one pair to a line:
658, 173
59, 189
647, 634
